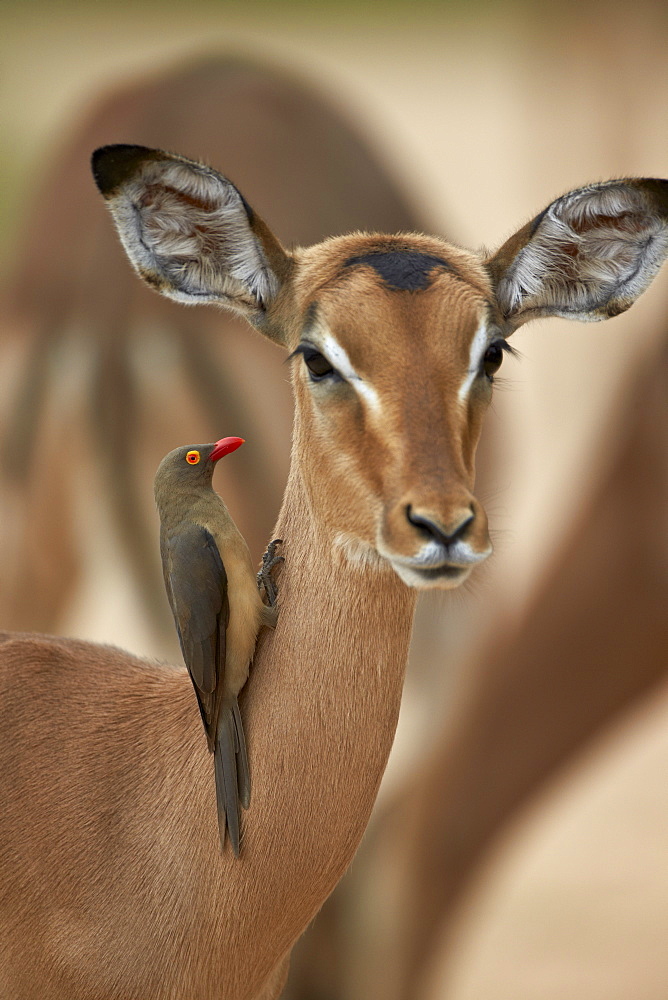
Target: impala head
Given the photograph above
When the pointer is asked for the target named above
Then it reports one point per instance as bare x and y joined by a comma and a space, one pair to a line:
394, 359
394, 340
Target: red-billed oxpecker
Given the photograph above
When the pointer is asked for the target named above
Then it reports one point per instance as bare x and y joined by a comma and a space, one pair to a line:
217, 608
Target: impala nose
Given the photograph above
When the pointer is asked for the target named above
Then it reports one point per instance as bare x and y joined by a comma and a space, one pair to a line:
443, 534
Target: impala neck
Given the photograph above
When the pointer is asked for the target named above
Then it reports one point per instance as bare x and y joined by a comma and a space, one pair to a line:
320, 712
347, 623
325, 688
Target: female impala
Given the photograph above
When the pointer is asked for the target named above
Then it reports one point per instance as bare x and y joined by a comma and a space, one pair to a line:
114, 885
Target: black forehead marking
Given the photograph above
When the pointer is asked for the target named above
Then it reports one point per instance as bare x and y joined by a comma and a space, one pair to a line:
403, 270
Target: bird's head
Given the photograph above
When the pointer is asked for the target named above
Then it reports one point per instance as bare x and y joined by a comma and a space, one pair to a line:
191, 466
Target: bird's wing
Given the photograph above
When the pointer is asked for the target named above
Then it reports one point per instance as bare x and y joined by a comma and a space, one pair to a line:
197, 587
198, 596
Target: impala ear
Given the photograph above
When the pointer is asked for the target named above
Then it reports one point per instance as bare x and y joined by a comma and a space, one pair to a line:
588, 256
188, 231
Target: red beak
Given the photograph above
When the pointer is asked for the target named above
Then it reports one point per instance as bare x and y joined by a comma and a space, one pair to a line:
224, 447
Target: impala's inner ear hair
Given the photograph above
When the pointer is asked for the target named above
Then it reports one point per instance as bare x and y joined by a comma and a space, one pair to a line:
188, 231
587, 256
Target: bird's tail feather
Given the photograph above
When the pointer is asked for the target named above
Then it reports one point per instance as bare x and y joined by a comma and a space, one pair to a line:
243, 772
231, 771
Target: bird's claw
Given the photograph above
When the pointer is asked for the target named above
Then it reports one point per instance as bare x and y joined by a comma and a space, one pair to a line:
264, 577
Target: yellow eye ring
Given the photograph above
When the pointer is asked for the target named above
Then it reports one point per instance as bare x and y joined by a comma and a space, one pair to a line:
192, 458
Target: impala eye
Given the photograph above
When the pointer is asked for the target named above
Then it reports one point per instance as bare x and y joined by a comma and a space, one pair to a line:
492, 359
192, 457
319, 367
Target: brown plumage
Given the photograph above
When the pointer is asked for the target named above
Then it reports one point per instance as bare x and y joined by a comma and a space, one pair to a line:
217, 608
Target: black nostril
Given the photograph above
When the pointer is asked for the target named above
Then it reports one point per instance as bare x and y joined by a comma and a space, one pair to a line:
437, 532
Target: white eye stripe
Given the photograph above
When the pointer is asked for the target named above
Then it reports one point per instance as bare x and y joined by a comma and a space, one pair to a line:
337, 356
339, 359
479, 345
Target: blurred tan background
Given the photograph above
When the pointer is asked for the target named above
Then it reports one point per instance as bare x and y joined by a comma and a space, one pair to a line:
482, 114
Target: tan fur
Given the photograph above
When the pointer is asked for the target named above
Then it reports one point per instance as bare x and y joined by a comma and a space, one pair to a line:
115, 887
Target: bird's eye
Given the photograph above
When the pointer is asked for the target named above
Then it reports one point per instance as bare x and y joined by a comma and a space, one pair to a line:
192, 457
318, 365
492, 359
